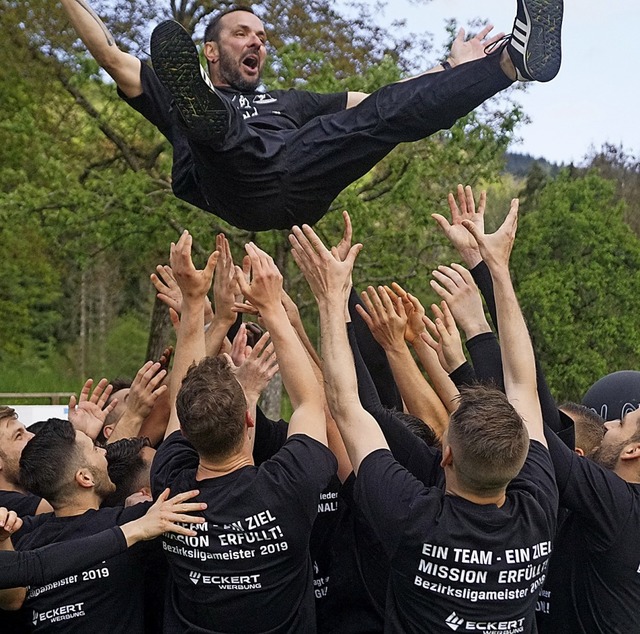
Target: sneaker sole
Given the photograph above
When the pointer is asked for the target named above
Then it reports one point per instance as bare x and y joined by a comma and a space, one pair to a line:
177, 65
543, 44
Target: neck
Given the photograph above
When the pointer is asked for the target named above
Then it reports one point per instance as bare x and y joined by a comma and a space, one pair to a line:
498, 498
628, 474
77, 506
215, 468
6, 485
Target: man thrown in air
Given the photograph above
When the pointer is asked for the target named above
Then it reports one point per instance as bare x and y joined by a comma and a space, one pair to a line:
269, 160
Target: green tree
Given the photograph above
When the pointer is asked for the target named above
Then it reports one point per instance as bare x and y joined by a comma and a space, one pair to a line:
576, 267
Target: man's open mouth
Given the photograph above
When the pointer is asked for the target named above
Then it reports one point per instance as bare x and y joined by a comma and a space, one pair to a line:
251, 61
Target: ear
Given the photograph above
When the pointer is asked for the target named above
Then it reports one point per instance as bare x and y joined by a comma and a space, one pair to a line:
631, 452
211, 51
579, 451
107, 430
249, 420
447, 457
84, 478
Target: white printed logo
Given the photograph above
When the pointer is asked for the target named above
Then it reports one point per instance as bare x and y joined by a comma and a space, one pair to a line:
195, 577
35, 618
454, 621
264, 98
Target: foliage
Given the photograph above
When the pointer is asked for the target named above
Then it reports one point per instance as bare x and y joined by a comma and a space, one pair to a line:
575, 267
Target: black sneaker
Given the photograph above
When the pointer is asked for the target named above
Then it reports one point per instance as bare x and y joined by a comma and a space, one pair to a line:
201, 110
534, 45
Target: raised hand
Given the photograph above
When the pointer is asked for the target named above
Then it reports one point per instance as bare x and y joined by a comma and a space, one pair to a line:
146, 388
414, 310
466, 50
456, 286
325, 271
386, 319
464, 209
193, 283
443, 337
495, 248
169, 292
89, 413
264, 290
258, 368
225, 285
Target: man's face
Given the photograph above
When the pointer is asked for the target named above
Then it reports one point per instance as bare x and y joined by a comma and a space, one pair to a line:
95, 459
237, 58
13, 438
617, 436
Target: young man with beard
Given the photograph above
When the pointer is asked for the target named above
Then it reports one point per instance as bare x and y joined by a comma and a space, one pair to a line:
65, 466
593, 582
269, 160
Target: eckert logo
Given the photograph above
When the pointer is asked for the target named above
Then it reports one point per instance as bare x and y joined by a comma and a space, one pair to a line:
454, 621
195, 577
35, 618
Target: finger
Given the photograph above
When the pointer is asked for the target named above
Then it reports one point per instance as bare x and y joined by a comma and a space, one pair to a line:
175, 318
110, 407
353, 254
482, 203
211, 263
453, 206
468, 197
86, 388
374, 306
164, 495
462, 200
314, 240
241, 279
417, 306
180, 497
348, 229
464, 274
435, 309
365, 315
494, 39
73, 402
449, 319
443, 223
487, 29
452, 274
391, 293
442, 292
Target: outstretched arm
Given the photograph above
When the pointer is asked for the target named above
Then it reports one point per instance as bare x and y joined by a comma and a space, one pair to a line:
264, 291
123, 67
330, 280
190, 345
517, 352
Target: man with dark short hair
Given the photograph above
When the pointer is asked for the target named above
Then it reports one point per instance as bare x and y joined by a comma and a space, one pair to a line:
269, 160
64, 464
249, 568
469, 552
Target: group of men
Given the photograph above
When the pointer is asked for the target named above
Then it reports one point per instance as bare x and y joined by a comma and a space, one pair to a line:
341, 519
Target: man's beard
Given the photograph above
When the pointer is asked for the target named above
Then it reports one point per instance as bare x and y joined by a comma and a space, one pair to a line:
102, 484
229, 71
608, 455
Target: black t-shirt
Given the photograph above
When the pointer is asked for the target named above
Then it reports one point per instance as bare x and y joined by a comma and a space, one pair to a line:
107, 597
248, 568
22, 503
593, 583
456, 565
250, 157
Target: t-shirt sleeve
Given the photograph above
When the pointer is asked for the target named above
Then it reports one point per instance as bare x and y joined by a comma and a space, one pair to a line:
600, 497
174, 455
304, 106
270, 437
23, 504
385, 493
302, 468
538, 478
44, 565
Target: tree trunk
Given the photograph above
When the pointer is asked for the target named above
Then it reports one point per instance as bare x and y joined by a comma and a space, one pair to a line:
160, 331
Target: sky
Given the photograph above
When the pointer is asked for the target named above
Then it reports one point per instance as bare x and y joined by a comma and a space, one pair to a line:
595, 97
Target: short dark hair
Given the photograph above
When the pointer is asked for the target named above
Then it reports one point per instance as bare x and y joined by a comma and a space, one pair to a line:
488, 438
211, 408
7, 412
589, 426
49, 460
126, 467
418, 428
212, 32
36, 427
